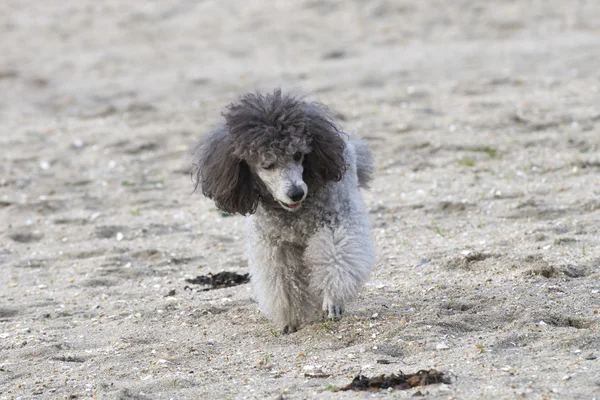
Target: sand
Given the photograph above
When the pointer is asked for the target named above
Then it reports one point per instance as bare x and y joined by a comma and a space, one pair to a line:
485, 121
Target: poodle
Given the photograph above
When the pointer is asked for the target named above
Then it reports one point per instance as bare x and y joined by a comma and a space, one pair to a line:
285, 163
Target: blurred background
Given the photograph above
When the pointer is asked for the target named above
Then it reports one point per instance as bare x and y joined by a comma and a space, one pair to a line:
85, 57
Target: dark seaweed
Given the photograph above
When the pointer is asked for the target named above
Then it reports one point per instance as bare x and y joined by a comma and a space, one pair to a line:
398, 382
220, 280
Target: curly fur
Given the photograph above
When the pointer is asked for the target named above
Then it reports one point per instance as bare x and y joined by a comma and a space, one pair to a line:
324, 251
222, 176
264, 128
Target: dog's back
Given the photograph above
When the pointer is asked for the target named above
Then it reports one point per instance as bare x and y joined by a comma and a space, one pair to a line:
364, 163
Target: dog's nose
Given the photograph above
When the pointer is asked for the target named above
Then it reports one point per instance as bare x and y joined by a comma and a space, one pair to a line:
296, 194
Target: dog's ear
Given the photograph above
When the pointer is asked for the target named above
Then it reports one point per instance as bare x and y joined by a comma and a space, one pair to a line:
221, 176
326, 161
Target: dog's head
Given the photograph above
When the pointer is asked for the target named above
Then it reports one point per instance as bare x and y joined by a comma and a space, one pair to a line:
275, 148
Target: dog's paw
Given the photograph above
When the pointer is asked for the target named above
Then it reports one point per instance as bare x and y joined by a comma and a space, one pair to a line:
333, 310
289, 328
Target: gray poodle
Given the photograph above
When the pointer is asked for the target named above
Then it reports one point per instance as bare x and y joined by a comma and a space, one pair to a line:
285, 163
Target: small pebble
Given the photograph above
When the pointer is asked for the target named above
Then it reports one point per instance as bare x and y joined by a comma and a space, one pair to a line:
95, 216
442, 346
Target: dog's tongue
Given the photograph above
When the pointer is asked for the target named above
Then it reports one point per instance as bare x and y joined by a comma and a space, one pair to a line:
293, 205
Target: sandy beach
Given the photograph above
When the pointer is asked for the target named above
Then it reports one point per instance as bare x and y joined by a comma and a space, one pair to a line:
484, 118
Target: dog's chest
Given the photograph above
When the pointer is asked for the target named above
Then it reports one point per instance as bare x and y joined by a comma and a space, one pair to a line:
284, 228
296, 230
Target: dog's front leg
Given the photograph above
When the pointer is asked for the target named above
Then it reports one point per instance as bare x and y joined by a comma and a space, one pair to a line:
280, 282
341, 259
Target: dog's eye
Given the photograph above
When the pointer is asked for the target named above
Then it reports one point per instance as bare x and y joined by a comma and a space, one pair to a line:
269, 166
298, 156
